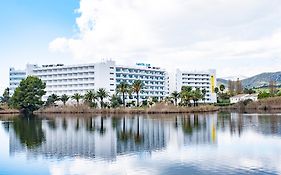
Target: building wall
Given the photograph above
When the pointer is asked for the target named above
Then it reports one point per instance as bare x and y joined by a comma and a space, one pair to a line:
15, 77
154, 79
69, 79
198, 79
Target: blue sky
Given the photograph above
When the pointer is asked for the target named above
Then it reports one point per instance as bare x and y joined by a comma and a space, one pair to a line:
27, 27
235, 37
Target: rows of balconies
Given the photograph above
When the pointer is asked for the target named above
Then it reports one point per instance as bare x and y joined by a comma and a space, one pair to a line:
196, 79
63, 69
195, 75
196, 83
76, 74
130, 80
139, 71
68, 80
140, 75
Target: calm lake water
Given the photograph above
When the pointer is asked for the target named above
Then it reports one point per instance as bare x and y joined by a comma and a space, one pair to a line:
219, 143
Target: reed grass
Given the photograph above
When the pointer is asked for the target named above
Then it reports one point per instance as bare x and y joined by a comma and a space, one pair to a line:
4, 109
160, 108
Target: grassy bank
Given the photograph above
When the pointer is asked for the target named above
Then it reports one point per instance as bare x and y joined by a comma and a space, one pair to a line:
157, 109
4, 109
272, 103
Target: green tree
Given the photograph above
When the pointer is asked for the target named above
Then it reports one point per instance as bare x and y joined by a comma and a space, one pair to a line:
217, 90
102, 94
204, 92
90, 98
196, 95
123, 88
264, 94
28, 96
249, 91
186, 95
175, 95
6, 96
155, 99
222, 88
77, 97
137, 86
115, 101
51, 100
64, 98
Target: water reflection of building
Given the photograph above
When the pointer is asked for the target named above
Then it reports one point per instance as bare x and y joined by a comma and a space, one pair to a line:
107, 137
94, 137
141, 134
198, 129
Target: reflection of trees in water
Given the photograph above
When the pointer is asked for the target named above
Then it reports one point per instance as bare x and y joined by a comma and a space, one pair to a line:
64, 124
124, 135
102, 129
237, 122
6, 126
52, 124
77, 124
90, 124
274, 124
29, 131
187, 127
197, 125
138, 138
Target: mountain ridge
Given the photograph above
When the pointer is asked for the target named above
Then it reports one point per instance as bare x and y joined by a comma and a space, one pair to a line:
260, 80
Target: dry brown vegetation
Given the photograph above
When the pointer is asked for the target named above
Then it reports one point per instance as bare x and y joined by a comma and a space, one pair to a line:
156, 109
271, 103
4, 109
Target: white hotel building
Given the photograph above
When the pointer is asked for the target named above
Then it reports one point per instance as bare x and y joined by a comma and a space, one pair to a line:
15, 76
69, 79
198, 79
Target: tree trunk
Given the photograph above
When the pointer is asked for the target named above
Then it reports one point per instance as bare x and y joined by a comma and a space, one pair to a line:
124, 105
138, 99
101, 102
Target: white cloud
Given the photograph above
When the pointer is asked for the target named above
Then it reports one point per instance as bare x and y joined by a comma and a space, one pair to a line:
229, 35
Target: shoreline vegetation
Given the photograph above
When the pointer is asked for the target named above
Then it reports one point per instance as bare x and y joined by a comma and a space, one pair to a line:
27, 99
160, 108
4, 109
267, 104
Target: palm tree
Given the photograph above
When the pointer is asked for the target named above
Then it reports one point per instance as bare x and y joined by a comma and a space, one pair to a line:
77, 97
175, 95
102, 93
123, 88
186, 95
217, 90
52, 99
137, 87
222, 88
90, 97
204, 91
64, 98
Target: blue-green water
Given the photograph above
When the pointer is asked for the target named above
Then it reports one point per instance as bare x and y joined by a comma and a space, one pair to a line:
219, 143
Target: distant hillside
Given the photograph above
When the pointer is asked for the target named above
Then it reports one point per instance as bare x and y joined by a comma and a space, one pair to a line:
259, 80
222, 81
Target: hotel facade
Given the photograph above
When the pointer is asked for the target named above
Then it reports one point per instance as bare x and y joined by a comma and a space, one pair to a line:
198, 79
70, 79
